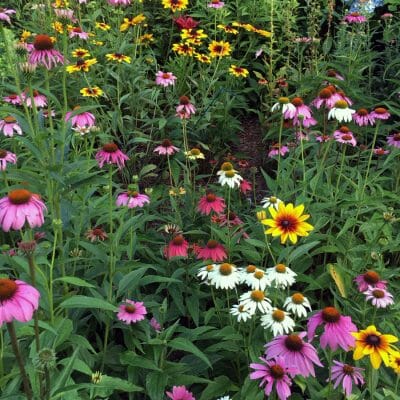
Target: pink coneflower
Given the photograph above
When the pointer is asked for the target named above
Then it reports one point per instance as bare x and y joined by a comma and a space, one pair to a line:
186, 22
43, 52
131, 312
342, 96
18, 301
155, 325
96, 234
276, 149
369, 278
301, 109
78, 32
346, 374
6, 157
21, 206
40, 100
216, 4
213, 250
380, 298
119, 2
180, 393
363, 118
13, 99
323, 138
65, 13
9, 126
324, 98
332, 73
5, 14
274, 372
132, 199
392, 140
344, 135
337, 329
185, 108
165, 78
354, 18
211, 202
84, 118
245, 186
177, 247
110, 154
295, 352
380, 113
381, 152
166, 148
229, 220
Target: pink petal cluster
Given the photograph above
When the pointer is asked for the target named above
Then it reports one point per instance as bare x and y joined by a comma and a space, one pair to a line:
132, 199
180, 393
85, 118
9, 126
165, 78
211, 202
346, 374
213, 250
131, 312
177, 247
6, 157
110, 154
166, 148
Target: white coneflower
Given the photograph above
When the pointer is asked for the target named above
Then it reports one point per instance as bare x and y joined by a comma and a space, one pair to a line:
286, 106
297, 304
241, 312
270, 201
227, 175
224, 276
204, 272
341, 112
194, 154
258, 280
256, 300
278, 322
250, 269
281, 275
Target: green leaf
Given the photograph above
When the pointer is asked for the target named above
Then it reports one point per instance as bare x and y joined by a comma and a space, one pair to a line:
155, 385
72, 280
131, 280
219, 387
87, 302
183, 344
134, 360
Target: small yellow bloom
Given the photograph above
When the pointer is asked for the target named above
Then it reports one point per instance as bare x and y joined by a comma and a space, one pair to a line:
94, 91
203, 58
219, 49
394, 362
228, 29
261, 215
118, 57
238, 71
81, 65
58, 27
371, 342
183, 49
177, 192
25, 35
128, 22
175, 5
61, 4
97, 42
80, 53
103, 26
146, 39
193, 36
194, 154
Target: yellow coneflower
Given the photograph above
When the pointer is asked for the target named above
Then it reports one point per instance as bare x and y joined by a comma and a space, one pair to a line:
103, 26
128, 22
371, 342
80, 53
228, 29
94, 91
175, 5
239, 72
203, 58
183, 49
287, 222
81, 65
193, 36
118, 57
219, 49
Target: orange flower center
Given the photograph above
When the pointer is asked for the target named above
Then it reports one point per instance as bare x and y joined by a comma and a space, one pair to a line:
325, 94
283, 100
78, 30
19, 196
378, 294
165, 75
110, 148
251, 268
355, 14
7, 289
371, 277
297, 101
281, 268
212, 244
43, 42
277, 372
362, 112
195, 152
178, 240
184, 100
257, 295
210, 268
347, 137
259, 274
211, 197
130, 308
380, 110
98, 232
330, 314
3, 153
331, 73
294, 342
341, 104
287, 223
298, 298
331, 88
278, 315
9, 119
348, 369
225, 269
344, 129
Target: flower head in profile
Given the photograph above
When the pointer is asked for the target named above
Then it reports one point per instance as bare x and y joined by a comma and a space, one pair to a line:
180, 393
227, 175
9, 126
392, 140
241, 312
177, 247
96, 234
277, 149
281, 276
378, 346
111, 154
286, 106
288, 222
165, 78
131, 312
78, 32
185, 22
166, 148
19, 207
212, 251
18, 301
194, 154
346, 375
369, 279
5, 158
302, 114
380, 298
271, 201
215, 4
43, 52
132, 199
337, 329
38, 99
354, 18
130, 22
257, 280
84, 118
344, 135
175, 5
211, 202
341, 112
363, 118
5, 14
380, 113
185, 108
256, 300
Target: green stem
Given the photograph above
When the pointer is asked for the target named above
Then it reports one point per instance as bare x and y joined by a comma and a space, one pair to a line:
32, 271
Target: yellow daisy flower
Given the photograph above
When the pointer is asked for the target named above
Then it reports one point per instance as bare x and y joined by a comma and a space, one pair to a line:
371, 342
81, 65
203, 58
103, 26
394, 362
194, 154
239, 72
175, 5
287, 222
219, 49
94, 91
80, 53
118, 57
128, 22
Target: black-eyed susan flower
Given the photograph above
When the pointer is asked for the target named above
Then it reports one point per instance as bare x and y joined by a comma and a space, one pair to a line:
94, 91
103, 26
193, 36
175, 5
239, 72
228, 29
287, 222
58, 27
146, 39
183, 49
80, 53
204, 58
394, 362
81, 65
371, 342
219, 49
128, 22
118, 57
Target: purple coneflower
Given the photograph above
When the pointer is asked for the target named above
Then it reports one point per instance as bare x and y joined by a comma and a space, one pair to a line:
394, 139
166, 148
119, 2
334, 74
6, 157
380, 151
40, 100
78, 32
82, 119
346, 374
5, 14
363, 118
211, 202
306, 120
212, 250
131, 312
185, 108
177, 247
369, 278
180, 393
96, 234
165, 78
380, 298
276, 149
215, 4
110, 154
43, 52
337, 329
380, 113
132, 199
9, 126
344, 135
355, 18
14, 99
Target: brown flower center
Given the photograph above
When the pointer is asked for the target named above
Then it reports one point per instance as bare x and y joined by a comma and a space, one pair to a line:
77, 30
297, 101
43, 42
184, 100
277, 372
7, 289
378, 294
347, 137
258, 274
225, 269
331, 73
325, 94
166, 75
178, 240
344, 129
257, 295
212, 244
373, 340
355, 14
250, 269
278, 315
226, 166
195, 152
348, 369
294, 343
331, 88
3, 153
130, 308
297, 298
9, 119
110, 148
371, 277
396, 137
133, 193
211, 197
19, 196
98, 232
380, 110
166, 143
281, 268
287, 223
362, 112
330, 314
